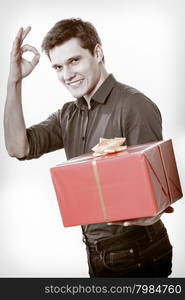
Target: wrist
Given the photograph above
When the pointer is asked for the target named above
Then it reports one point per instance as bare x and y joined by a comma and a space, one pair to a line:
12, 82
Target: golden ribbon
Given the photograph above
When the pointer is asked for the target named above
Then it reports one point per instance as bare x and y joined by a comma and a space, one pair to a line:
100, 191
104, 147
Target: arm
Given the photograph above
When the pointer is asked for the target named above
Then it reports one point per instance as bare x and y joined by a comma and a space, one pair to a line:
46, 136
143, 122
14, 125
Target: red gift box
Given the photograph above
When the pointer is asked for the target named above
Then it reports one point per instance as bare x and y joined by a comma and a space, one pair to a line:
140, 181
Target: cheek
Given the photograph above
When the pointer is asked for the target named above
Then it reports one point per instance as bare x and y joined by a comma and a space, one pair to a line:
59, 76
85, 68
93, 74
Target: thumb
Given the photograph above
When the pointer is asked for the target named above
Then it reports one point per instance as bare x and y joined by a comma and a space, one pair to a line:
169, 210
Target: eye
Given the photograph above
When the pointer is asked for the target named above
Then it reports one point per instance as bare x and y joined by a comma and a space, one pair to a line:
74, 61
58, 68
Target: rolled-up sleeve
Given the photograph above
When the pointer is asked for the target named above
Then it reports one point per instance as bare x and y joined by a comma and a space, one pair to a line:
143, 122
44, 137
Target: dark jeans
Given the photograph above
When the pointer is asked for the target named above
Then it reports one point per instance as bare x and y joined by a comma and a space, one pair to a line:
141, 251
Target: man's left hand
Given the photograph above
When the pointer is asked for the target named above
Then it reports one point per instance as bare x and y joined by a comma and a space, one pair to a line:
143, 221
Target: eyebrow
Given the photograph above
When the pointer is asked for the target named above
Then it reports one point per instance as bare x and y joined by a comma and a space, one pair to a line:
68, 61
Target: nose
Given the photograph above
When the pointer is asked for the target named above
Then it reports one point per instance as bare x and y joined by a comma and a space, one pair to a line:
67, 73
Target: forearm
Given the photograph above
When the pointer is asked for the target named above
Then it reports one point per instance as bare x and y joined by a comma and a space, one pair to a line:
14, 125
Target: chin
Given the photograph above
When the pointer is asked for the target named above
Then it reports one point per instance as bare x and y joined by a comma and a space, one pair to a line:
77, 94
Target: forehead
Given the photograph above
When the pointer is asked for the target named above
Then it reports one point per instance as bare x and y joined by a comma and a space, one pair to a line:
65, 51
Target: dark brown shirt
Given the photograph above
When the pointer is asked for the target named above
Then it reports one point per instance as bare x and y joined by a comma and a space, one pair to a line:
117, 110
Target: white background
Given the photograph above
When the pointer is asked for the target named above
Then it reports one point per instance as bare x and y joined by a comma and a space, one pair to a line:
143, 43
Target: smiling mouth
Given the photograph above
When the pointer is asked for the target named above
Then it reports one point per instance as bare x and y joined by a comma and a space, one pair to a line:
75, 83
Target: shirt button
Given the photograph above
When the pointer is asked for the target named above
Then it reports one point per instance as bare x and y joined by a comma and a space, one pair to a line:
131, 250
83, 138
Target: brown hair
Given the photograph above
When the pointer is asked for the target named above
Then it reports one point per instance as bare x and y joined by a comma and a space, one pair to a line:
66, 29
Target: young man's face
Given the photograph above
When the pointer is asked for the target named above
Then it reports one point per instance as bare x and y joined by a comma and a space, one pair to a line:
76, 67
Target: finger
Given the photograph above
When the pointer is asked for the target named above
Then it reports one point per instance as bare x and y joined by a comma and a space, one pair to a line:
25, 32
169, 209
143, 221
35, 60
17, 41
127, 223
29, 48
120, 222
19, 33
115, 223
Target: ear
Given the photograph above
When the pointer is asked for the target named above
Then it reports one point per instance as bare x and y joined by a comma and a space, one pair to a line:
98, 52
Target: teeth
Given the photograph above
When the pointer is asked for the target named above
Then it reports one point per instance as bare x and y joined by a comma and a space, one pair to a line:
75, 83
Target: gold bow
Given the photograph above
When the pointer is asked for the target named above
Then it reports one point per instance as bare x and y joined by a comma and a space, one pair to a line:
109, 146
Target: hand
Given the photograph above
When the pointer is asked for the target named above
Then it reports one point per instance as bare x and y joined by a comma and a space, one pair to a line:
20, 67
143, 221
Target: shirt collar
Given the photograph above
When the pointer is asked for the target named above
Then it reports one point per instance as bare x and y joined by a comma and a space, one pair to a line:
102, 93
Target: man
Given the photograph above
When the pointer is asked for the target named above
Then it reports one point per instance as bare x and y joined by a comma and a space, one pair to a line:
103, 108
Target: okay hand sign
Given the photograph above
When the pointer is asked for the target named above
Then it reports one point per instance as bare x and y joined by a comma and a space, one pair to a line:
19, 66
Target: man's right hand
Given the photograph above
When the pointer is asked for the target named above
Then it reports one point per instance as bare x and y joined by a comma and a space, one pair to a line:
19, 66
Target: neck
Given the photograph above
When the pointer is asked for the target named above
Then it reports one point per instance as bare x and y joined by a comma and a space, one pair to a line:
104, 74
